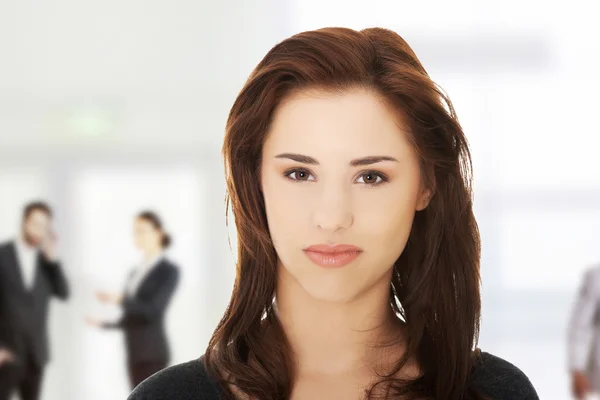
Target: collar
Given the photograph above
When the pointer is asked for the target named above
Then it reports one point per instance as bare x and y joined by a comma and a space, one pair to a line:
23, 246
151, 263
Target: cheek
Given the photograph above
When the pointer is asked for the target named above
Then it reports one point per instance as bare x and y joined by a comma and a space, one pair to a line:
386, 218
286, 211
386, 227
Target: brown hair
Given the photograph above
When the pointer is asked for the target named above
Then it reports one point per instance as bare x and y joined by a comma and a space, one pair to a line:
36, 206
156, 222
436, 278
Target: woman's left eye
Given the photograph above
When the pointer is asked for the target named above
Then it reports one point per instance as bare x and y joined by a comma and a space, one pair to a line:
371, 178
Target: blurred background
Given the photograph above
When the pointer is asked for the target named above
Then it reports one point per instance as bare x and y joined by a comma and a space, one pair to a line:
110, 107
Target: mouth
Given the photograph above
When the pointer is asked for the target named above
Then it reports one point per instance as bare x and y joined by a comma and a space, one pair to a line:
332, 256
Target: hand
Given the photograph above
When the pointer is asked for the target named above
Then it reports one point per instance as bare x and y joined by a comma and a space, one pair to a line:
93, 321
6, 356
580, 385
109, 298
49, 247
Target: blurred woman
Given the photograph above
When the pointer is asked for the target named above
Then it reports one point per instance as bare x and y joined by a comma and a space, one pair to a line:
147, 294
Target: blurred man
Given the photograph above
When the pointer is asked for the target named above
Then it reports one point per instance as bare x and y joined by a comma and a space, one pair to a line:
29, 275
584, 335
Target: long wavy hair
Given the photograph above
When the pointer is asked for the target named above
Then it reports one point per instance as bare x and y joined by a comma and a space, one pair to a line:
435, 284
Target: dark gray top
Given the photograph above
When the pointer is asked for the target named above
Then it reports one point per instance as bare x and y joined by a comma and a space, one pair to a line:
493, 376
144, 313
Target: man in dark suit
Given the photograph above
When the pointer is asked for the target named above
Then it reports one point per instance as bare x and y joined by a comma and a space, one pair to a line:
29, 275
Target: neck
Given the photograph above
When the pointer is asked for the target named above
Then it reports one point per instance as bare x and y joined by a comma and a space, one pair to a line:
338, 338
152, 254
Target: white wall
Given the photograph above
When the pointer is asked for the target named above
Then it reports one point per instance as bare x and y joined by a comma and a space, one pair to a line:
155, 73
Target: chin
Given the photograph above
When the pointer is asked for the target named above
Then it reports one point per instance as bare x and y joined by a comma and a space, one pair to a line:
334, 286
35, 242
330, 292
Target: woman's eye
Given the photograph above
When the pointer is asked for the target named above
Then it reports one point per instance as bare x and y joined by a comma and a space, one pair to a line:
299, 175
371, 178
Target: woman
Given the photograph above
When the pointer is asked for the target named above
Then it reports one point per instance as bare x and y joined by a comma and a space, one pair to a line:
349, 179
147, 294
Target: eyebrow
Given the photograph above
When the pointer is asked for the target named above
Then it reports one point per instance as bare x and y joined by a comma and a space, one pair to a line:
354, 163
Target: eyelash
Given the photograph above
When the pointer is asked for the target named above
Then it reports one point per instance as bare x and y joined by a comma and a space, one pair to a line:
377, 174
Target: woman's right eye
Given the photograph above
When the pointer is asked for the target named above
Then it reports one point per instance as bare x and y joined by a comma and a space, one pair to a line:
299, 174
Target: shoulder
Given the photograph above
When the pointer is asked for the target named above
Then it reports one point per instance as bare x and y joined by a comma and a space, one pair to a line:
5, 249
5, 246
188, 381
168, 270
169, 266
592, 273
590, 281
501, 380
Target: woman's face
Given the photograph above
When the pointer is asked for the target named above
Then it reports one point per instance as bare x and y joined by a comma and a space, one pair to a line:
337, 169
147, 237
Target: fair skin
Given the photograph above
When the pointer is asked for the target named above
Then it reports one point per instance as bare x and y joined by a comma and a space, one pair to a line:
36, 233
580, 384
148, 240
6, 356
357, 182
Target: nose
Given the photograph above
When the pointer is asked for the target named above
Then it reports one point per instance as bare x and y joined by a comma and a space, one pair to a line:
333, 210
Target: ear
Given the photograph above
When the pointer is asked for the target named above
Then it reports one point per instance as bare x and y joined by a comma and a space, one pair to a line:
424, 199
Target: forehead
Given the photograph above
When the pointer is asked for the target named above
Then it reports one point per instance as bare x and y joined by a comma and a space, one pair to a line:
38, 216
143, 223
355, 122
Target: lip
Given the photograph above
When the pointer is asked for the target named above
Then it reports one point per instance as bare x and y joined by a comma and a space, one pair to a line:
332, 255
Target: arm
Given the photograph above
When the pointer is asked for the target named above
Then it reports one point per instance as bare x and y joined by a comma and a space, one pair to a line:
3, 325
112, 325
56, 276
581, 326
6, 355
98, 323
148, 310
109, 298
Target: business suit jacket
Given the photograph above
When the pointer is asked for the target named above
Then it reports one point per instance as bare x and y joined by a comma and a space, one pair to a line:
144, 312
584, 328
23, 311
